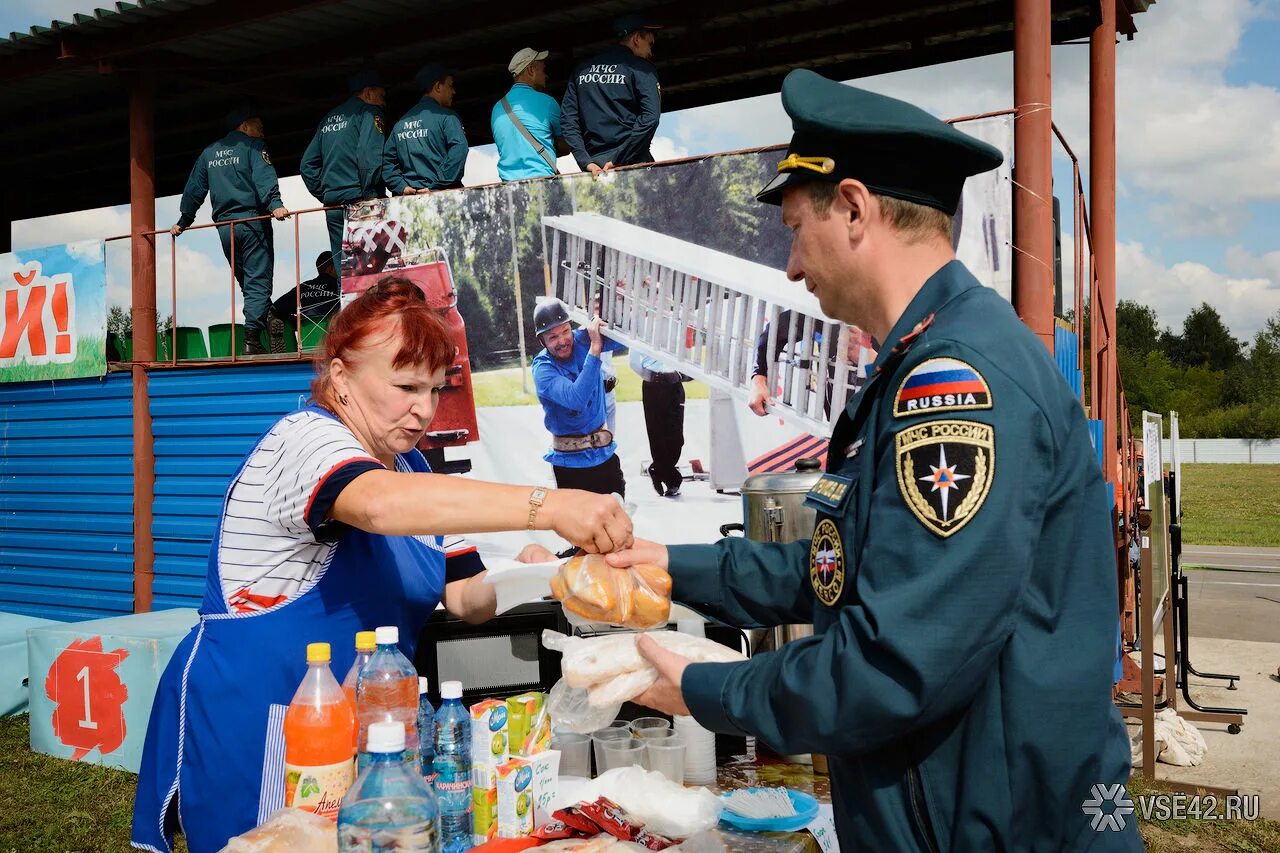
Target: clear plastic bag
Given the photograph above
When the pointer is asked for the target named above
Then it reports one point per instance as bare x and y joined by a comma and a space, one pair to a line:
595, 593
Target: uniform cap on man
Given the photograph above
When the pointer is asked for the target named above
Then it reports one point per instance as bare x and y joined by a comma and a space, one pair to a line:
893, 147
430, 74
324, 259
524, 58
625, 25
363, 79
241, 113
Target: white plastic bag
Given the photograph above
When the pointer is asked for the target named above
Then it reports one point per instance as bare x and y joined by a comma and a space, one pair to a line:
595, 593
665, 807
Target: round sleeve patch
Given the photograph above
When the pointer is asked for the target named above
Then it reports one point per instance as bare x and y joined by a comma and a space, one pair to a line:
941, 385
945, 469
826, 562
266, 157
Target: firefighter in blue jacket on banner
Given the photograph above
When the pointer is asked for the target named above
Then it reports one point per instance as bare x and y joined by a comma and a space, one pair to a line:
343, 163
961, 576
237, 174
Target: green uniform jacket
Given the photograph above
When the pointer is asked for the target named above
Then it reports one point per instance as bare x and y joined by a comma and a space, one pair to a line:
344, 160
961, 580
236, 172
427, 149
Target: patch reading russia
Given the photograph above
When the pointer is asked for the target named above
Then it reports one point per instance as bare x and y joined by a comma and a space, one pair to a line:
941, 385
945, 469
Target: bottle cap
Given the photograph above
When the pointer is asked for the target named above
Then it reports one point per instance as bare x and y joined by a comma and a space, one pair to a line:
387, 635
317, 652
423, 685
451, 690
386, 737
366, 641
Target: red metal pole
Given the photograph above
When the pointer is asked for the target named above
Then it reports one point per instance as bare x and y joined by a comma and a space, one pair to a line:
142, 216
1033, 168
1102, 193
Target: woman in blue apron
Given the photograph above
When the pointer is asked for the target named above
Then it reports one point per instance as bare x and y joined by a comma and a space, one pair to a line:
332, 525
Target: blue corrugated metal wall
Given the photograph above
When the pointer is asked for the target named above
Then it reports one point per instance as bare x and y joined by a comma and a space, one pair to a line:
66, 498
205, 421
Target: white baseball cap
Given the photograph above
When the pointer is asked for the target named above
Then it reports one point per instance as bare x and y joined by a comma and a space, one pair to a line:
523, 57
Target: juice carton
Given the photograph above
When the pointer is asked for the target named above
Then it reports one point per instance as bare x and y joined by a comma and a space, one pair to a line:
488, 740
528, 724
526, 789
484, 812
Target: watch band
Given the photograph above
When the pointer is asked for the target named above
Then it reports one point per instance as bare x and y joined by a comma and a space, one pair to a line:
536, 497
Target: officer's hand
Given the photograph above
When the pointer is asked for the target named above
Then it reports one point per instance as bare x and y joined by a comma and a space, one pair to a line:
664, 695
760, 400
535, 553
410, 191
175, 230
593, 332
280, 213
643, 551
608, 166
595, 523
595, 170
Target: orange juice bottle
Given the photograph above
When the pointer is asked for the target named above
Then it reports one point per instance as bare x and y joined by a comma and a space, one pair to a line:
366, 645
318, 766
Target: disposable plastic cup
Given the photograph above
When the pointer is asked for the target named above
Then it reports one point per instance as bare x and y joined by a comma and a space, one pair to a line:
575, 754
644, 726
623, 752
599, 737
666, 756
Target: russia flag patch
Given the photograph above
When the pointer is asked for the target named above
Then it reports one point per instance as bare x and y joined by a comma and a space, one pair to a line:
941, 385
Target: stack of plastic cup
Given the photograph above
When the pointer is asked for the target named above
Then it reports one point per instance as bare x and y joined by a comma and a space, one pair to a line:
699, 753
623, 752
617, 729
665, 755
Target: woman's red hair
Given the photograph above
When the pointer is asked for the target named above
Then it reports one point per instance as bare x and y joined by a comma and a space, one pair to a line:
424, 339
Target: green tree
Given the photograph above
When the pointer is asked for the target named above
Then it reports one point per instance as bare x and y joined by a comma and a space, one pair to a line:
1205, 340
1137, 327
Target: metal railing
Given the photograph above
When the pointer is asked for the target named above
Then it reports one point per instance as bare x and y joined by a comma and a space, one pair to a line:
234, 356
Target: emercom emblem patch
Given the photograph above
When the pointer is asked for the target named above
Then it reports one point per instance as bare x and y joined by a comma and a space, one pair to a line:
941, 385
945, 469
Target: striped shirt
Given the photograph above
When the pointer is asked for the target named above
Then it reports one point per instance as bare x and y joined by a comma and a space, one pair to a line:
276, 539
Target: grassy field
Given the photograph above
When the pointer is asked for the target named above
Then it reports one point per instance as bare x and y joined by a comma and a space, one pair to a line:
1231, 505
47, 804
502, 387
90, 360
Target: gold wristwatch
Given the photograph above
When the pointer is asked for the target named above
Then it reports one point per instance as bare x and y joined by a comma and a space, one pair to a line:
536, 497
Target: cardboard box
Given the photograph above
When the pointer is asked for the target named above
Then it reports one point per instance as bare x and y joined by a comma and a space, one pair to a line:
526, 789
484, 810
93, 683
13, 660
528, 724
488, 736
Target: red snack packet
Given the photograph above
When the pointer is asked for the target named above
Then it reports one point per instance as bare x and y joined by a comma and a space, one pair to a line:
652, 840
572, 817
610, 817
554, 829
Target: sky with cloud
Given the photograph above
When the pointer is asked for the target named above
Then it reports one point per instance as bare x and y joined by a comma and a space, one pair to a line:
1198, 148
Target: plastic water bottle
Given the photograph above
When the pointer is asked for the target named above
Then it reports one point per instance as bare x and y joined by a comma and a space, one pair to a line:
317, 739
426, 732
386, 692
453, 769
390, 807
366, 645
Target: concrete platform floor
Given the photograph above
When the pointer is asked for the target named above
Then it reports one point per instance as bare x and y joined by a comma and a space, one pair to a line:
1249, 761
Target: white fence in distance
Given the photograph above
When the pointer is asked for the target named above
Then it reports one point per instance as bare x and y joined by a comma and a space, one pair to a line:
1254, 451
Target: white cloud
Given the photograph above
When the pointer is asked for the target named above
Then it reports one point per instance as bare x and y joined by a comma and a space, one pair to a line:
666, 148
482, 166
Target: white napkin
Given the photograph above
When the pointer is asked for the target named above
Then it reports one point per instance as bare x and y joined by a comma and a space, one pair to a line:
518, 583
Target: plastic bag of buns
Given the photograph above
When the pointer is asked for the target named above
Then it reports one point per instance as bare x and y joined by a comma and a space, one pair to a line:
595, 593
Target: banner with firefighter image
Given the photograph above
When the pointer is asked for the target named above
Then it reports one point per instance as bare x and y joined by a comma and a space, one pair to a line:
55, 312
688, 271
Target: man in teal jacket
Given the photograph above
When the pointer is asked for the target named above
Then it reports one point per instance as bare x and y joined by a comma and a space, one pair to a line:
237, 175
961, 575
343, 163
427, 148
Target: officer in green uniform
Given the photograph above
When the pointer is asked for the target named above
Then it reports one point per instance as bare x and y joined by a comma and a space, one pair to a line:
237, 175
961, 576
343, 163
427, 148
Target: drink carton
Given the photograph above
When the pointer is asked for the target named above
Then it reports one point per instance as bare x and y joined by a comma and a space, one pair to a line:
528, 724
526, 789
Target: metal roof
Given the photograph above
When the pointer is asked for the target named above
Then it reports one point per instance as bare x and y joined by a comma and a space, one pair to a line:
67, 82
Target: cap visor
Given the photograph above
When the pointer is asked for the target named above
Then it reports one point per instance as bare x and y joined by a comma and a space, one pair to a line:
772, 193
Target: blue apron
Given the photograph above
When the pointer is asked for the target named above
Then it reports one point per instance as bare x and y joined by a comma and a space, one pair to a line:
213, 761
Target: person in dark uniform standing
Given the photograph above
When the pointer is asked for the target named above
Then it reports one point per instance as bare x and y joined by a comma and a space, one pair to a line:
567, 378
612, 104
427, 148
343, 163
237, 175
961, 576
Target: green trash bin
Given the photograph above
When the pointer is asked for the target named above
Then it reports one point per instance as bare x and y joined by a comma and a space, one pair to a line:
125, 345
191, 343
221, 343
313, 332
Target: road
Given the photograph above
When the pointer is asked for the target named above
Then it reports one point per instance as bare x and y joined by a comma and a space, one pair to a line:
1236, 595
